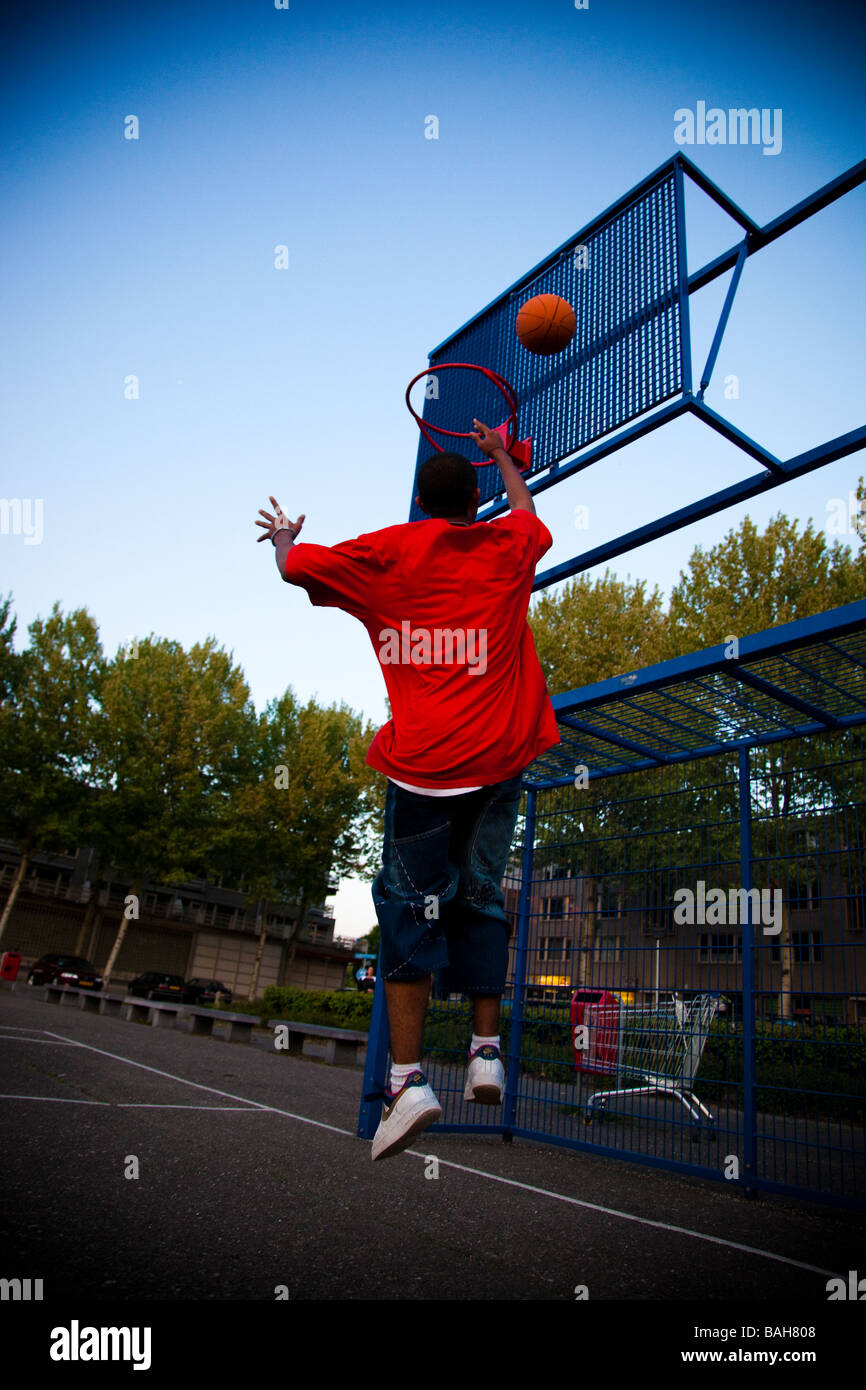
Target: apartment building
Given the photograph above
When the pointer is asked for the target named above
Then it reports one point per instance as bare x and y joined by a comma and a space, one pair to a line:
198, 929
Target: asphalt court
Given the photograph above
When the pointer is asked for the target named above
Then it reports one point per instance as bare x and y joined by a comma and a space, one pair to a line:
251, 1179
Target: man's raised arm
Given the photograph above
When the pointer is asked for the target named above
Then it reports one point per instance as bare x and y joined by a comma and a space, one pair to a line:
281, 531
490, 442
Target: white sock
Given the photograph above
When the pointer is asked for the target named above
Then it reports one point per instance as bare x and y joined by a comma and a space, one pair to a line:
482, 1042
400, 1073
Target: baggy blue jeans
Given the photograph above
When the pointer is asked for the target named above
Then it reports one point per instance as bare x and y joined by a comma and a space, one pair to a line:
438, 894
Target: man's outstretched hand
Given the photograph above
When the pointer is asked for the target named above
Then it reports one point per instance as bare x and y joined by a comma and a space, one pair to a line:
487, 440
278, 522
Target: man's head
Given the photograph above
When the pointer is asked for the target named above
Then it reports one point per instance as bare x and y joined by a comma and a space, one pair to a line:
448, 487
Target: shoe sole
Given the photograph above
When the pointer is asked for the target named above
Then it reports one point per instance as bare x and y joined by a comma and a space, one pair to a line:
484, 1095
402, 1141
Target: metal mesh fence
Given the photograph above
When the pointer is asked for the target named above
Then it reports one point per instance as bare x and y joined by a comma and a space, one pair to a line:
669, 1003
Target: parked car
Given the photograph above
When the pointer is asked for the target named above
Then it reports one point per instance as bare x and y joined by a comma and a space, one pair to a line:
73, 971
200, 991
156, 984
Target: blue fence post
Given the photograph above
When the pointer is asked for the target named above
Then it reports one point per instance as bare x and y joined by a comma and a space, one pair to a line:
377, 1059
512, 1082
750, 1124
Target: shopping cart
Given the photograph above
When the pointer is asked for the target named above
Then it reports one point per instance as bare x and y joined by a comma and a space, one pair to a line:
658, 1044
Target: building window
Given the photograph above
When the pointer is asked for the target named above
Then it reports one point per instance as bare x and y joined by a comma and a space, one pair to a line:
806, 948
611, 901
805, 895
609, 950
554, 948
719, 948
553, 907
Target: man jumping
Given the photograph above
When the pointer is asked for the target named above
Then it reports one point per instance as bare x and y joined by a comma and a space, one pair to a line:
444, 602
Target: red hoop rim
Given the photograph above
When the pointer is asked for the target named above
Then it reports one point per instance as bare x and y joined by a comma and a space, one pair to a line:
503, 386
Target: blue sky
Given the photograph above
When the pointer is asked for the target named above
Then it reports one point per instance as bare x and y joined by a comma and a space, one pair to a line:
304, 127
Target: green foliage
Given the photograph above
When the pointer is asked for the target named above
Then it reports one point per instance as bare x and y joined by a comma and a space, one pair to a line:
751, 581
49, 694
331, 1008
593, 629
174, 749
309, 806
799, 1070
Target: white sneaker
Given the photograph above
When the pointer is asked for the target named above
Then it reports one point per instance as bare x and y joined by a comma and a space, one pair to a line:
404, 1115
485, 1080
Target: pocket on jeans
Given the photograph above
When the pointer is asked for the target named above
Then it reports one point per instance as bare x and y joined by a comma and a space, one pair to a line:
417, 865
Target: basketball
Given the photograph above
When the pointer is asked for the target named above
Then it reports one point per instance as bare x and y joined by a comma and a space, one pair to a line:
545, 324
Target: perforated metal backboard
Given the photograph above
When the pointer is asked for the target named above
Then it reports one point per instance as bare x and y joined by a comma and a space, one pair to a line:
622, 276
628, 369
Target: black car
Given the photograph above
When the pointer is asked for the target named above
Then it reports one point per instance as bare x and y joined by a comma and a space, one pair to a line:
58, 969
156, 984
200, 991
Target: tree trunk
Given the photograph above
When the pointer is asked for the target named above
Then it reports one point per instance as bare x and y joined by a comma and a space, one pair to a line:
118, 940
13, 891
786, 1001
302, 912
87, 923
263, 908
588, 943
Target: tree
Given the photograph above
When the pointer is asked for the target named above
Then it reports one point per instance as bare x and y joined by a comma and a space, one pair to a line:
747, 583
593, 630
174, 750
50, 696
752, 581
310, 808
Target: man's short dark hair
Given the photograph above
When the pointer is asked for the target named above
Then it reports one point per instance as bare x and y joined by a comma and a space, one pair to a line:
446, 484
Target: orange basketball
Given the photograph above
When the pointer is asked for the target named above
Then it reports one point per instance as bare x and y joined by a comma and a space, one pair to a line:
545, 324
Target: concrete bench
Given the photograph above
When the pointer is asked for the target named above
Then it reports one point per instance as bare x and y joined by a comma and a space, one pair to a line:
96, 1002
233, 1027
67, 994
341, 1046
153, 1011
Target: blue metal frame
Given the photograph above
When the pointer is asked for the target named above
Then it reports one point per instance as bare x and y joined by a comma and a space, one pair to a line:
821, 656
723, 319
698, 707
823, 632
775, 474
750, 1158
775, 471
509, 1100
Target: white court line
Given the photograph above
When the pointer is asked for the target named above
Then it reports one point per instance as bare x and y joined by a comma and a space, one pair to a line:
198, 1086
480, 1173
44, 1041
19, 1028
627, 1216
58, 1100
133, 1105
149, 1105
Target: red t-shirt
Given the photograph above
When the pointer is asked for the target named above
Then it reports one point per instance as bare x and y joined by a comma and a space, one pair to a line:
445, 608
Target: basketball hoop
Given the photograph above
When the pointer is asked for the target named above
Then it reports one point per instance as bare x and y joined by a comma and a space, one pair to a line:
520, 450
